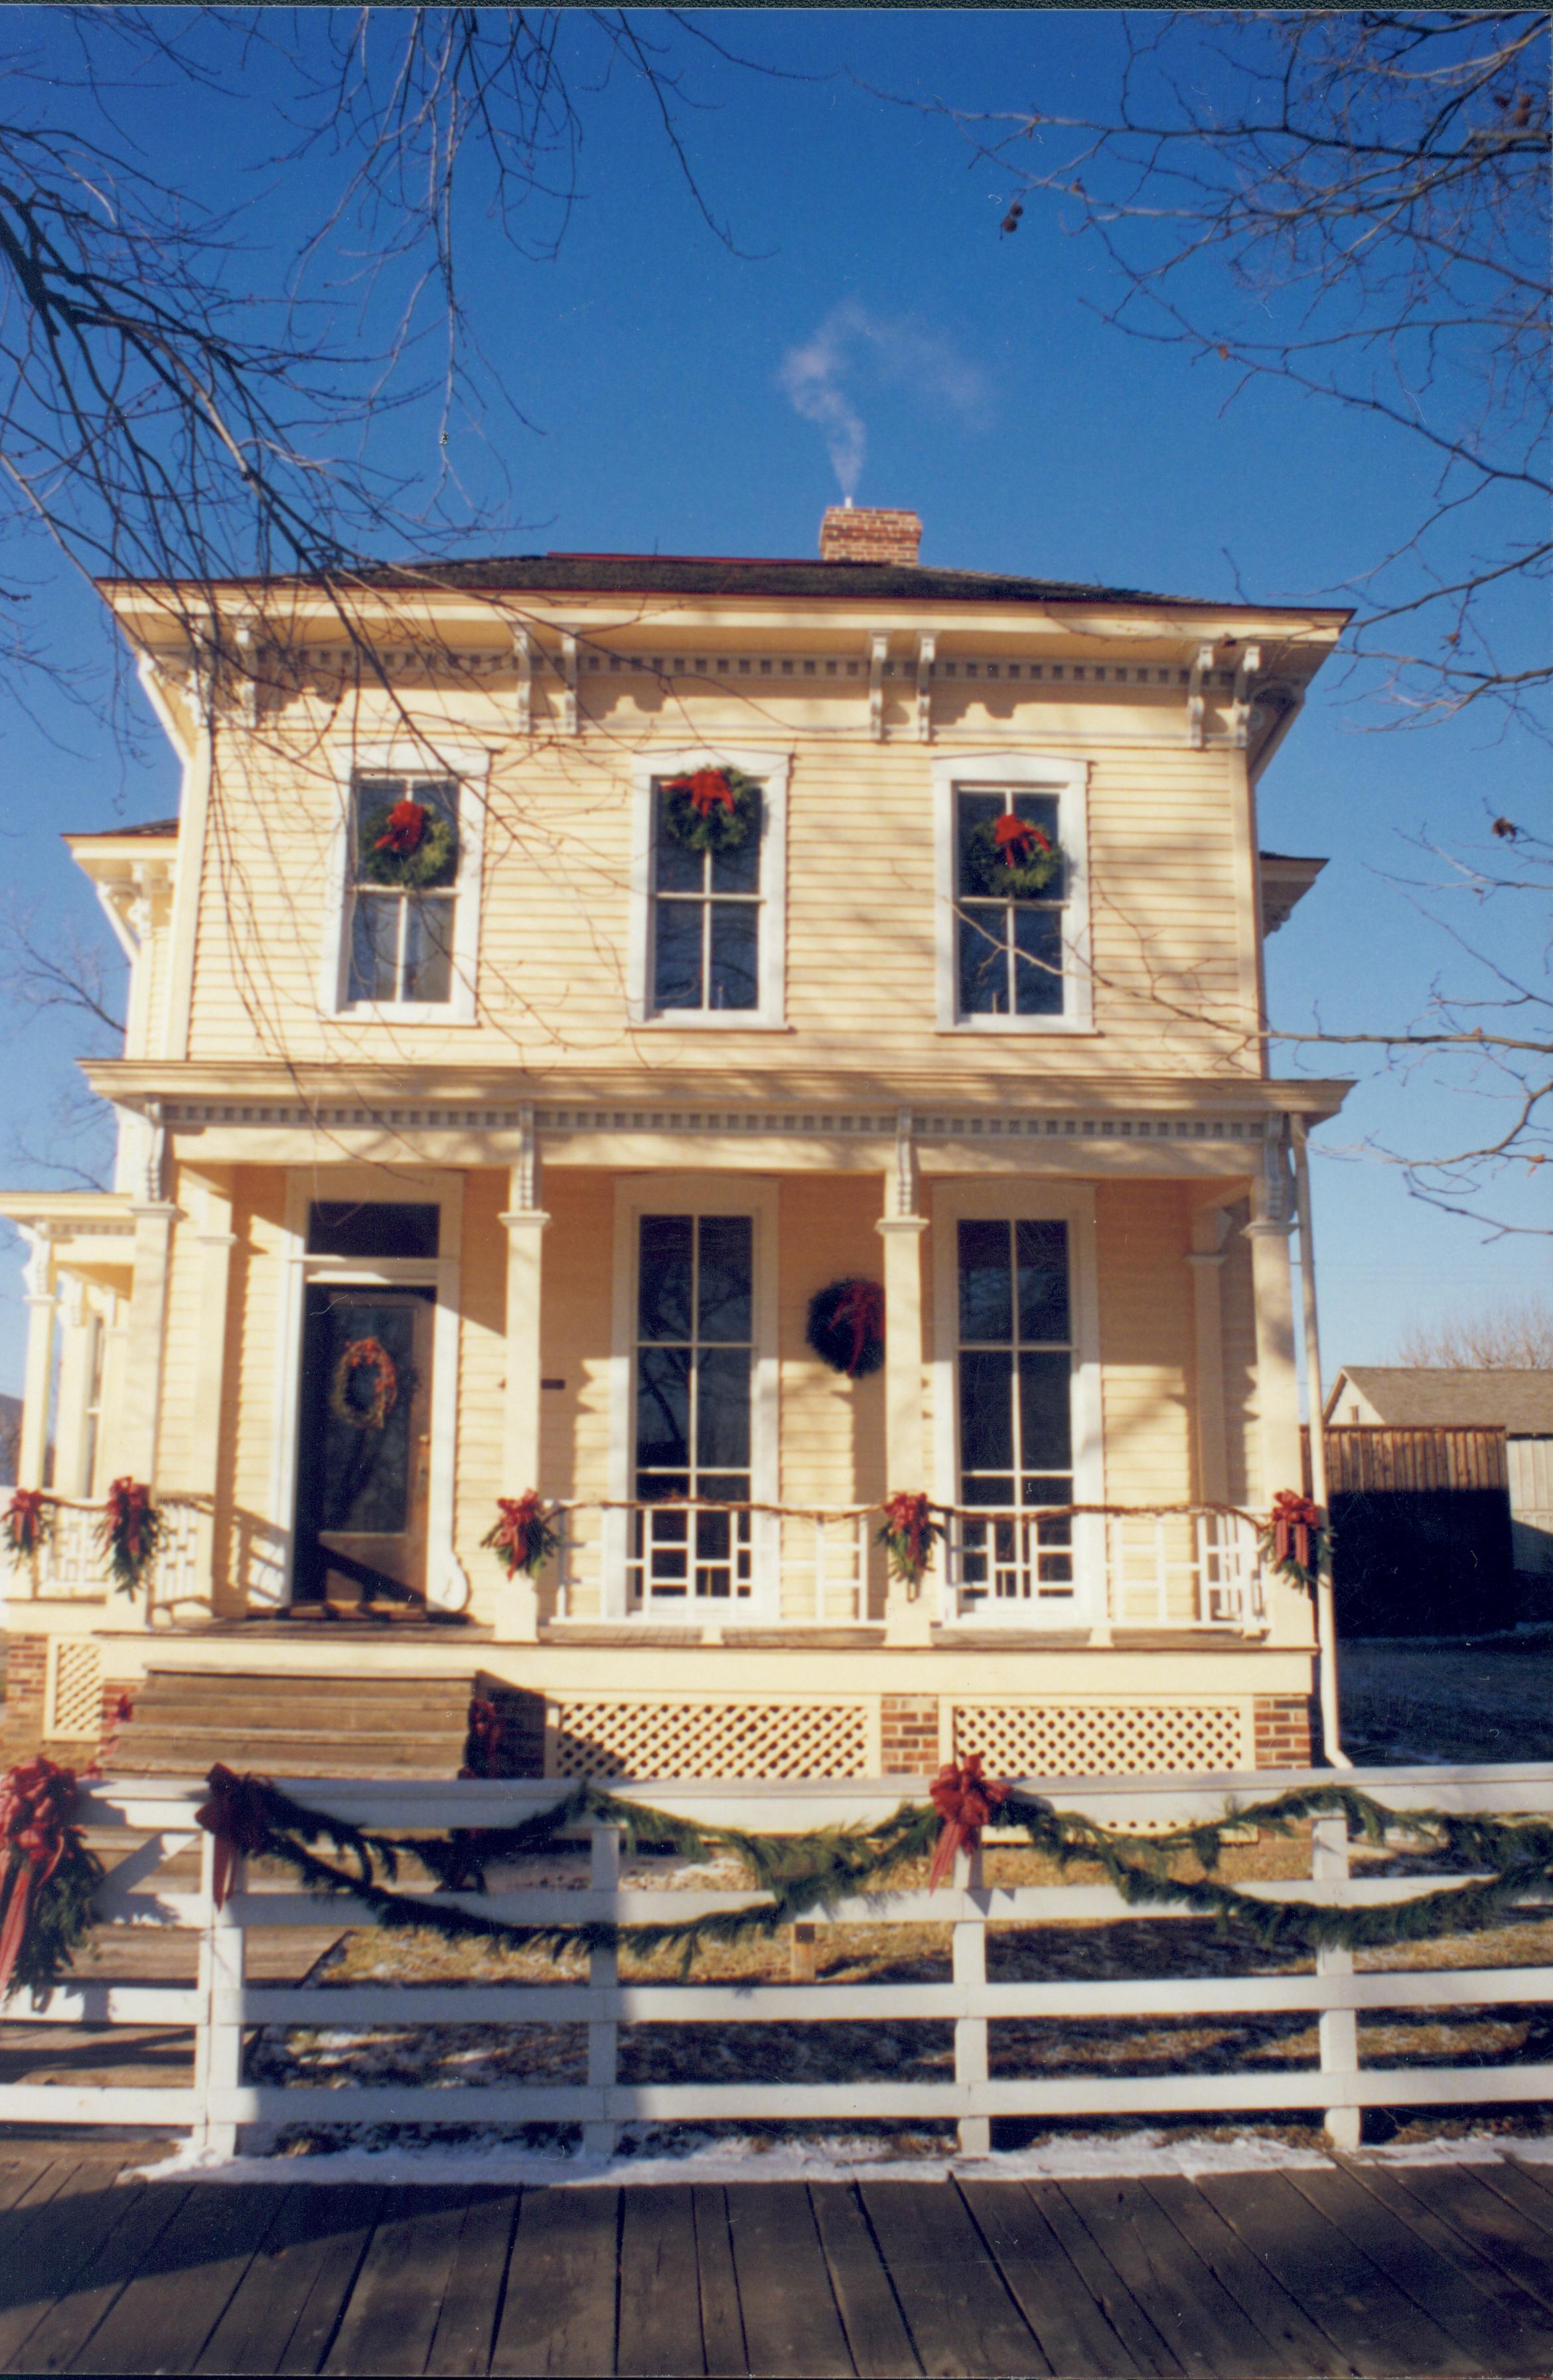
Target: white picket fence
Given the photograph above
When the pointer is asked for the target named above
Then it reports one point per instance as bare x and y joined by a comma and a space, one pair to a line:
222, 2004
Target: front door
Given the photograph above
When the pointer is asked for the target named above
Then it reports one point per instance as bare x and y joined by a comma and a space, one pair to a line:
364, 1451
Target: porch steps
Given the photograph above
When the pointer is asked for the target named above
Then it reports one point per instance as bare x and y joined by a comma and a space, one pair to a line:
294, 1724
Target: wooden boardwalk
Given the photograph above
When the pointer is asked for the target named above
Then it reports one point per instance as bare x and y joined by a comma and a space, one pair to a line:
1360, 2269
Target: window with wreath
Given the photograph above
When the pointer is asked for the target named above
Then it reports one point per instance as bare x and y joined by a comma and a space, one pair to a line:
706, 893
1012, 892
401, 899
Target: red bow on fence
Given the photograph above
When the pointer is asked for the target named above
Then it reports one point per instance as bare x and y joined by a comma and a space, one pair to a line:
237, 1815
860, 1309
965, 1799
406, 830
1293, 1519
707, 788
36, 1800
26, 1522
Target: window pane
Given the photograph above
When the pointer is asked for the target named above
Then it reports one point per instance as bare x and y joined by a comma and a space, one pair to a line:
675, 869
663, 1407
1038, 938
374, 930
1041, 810
972, 811
351, 1227
727, 1278
739, 871
427, 948
985, 1306
1042, 1255
981, 933
733, 928
985, 1413
664, 1295
722, 1409
1045, 1411
677, 970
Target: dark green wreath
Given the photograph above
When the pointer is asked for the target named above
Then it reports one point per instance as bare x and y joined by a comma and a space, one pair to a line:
431, 862
701, 819
846, 1327
992, 875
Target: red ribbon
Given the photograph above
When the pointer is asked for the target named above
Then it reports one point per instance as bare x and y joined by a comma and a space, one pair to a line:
911, 1517
24, 1520
518, 1536
36, 1800
405, 830
1015, 837
1293, 1519
237, 1815
860, 1309
707, 788
965, 1799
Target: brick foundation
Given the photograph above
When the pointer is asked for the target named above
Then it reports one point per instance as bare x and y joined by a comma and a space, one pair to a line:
1282, 1725
21, 1725
910, 1730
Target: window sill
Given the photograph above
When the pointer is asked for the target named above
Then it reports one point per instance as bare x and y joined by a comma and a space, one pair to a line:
402, 1012
710, 1020
1027, 1027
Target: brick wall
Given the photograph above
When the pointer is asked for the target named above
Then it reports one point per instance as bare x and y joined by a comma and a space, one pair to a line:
1283, 1731
22, 1726
910, 1729
851, 533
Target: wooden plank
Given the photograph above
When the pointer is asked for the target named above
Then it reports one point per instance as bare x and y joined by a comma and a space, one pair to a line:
390, 2318
1071, 2329
1273, 2311
559, 2312
791, 2323
1519, 2319
1433, 2284
253, 2331
659, 2313
1204, 2329
50, 2242
1518, 2188
722, 2322
1140, 2336
1486, 2221
115, 2247
161, 2321
467, 2324
962, 2319
1381, 2331
347, 2213
880, 2344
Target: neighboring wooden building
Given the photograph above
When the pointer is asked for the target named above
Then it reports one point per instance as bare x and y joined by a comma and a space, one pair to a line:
526, 1175
1442, 1497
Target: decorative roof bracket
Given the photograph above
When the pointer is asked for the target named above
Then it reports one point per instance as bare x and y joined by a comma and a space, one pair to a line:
878, 646
1240, 709
1196, 699
523, 654
926, 647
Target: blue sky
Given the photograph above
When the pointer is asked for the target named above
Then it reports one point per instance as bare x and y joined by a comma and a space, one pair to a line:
1030, 436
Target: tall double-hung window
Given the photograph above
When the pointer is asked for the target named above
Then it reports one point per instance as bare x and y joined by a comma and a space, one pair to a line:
708, 914
1013, 936
1015, 1403
695, 1356
706, 920
403, 869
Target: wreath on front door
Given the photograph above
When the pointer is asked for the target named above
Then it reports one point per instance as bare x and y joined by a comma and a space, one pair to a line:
711, 809
407, 843
846, 1327
364, 1355
1011, 858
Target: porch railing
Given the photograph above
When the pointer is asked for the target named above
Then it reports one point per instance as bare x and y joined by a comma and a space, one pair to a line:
70, 1566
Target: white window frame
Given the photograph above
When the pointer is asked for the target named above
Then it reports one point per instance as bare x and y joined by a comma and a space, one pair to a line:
697, 1194
470, 766
447, 1585
1026, 1198
772, 770
1046, 772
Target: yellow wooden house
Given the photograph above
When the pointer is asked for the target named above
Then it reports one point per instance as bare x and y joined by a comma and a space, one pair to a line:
718, 1043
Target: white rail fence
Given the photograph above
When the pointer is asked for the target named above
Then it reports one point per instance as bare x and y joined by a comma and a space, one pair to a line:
222, 2005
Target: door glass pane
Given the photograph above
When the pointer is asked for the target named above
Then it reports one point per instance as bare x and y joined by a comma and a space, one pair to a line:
981, 939
735, 926
664, 1408
987, 1411
663, 1296
1046, 1426
676, 960
722, 1409
1042, 1254
986, 1304
366, 1460
1037, 942
726, 1278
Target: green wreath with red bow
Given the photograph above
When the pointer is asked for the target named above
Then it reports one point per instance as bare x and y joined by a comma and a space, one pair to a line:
711, 809
1011, 859
364, 1355
407, 843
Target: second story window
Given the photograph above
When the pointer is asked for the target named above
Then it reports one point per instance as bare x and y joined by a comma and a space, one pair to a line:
1011, 887
404, 861
706, 902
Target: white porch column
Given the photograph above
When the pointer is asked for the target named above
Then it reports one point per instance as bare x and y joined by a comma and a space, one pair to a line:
1278, 1391
216, 1241
1326, 1610
908, 1619
1210, 1227
72, 1425
38, 1378
518, 1609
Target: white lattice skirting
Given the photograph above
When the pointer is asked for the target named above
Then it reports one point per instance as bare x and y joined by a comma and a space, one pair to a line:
73, 1707
1101, 1739
684, 1738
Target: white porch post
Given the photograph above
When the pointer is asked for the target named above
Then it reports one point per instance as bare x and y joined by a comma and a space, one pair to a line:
1326, 1610
1210, 1227
518, 1609
908, 1619
216, 1242
1278, 1391
38, 1378
71, 1426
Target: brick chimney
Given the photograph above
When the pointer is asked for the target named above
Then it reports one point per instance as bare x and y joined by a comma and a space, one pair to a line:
849, 533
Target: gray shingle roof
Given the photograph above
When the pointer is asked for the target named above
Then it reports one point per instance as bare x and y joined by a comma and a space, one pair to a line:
1419, 1397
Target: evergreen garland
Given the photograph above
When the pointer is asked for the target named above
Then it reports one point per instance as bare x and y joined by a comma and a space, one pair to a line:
408, 845
712, 809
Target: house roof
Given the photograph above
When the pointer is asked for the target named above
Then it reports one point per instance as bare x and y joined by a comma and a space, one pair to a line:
117, 834
1424, 1397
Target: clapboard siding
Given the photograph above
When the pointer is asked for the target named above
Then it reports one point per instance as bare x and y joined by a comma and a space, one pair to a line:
1142, 1237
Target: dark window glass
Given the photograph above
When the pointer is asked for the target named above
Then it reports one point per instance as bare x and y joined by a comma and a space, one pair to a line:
985, 1306
722, 1409
695, 1322
338, 1227
726, 1283
1045, 1411
985, 1411
734, 960
982, 938
676, 955
663, 1407
1042, 1252
706, 923
667, 1257
1015, 1396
